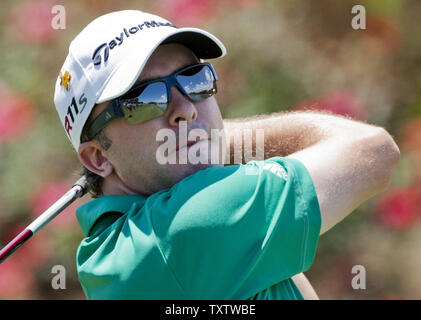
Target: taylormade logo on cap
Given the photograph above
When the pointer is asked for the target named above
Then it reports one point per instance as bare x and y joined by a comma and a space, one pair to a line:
117, 41
107, 57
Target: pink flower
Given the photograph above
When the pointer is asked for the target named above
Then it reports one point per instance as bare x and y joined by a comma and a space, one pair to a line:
31, 22
338, 102
16, 280
399, 208
46, 195
187, 12
17, 115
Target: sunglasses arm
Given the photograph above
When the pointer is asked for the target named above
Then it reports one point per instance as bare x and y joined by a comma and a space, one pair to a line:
111, 112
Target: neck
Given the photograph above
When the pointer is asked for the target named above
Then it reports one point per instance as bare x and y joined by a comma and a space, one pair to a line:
112, 185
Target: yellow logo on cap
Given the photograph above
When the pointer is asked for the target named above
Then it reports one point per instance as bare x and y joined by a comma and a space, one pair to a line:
65, 80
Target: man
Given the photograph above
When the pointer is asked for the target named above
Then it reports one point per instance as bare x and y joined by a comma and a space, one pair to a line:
189, 230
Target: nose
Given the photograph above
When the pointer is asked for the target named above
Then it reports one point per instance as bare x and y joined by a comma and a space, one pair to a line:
180, 108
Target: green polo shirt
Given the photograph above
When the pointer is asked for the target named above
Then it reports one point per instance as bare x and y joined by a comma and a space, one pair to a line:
234, 232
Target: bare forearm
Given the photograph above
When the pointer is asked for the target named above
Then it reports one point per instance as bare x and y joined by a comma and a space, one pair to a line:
288, 132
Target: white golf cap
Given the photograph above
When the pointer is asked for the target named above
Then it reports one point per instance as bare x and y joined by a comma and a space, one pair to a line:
107, 57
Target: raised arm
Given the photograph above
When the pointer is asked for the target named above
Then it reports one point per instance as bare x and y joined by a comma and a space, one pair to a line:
349, 161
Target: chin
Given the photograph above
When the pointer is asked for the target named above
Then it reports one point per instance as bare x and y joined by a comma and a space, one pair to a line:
189, 169
181, 171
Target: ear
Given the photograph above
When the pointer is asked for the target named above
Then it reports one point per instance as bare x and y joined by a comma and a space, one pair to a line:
94, 158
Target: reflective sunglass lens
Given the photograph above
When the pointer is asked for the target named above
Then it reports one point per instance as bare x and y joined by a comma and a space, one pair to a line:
198, 82
145, 103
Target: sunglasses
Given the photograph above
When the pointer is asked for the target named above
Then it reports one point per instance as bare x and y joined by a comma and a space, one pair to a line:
150, 99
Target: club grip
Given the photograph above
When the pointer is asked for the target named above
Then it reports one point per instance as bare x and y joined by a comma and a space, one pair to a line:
14, 244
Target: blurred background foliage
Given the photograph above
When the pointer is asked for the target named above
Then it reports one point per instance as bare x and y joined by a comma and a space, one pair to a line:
282, 55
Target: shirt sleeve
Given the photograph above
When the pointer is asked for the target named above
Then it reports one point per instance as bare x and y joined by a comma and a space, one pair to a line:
230, 232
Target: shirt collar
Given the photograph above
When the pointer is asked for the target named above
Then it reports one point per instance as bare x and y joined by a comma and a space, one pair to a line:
88, 213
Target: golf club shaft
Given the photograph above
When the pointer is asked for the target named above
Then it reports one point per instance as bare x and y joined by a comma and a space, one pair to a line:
78, 190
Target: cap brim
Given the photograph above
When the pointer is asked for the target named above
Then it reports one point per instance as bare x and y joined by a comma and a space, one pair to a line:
202, 43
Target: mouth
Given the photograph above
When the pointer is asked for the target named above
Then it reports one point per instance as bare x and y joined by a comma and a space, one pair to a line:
188, 145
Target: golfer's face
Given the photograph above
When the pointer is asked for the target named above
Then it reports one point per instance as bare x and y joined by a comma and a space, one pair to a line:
138, 151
